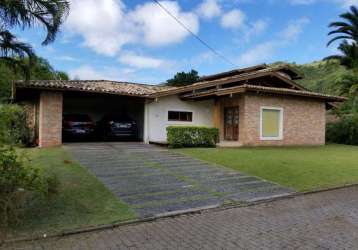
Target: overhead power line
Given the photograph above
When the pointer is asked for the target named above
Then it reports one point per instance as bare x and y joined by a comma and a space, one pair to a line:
194, 35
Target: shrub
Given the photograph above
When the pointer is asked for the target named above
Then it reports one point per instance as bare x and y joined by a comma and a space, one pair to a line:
345, 131
16, 181
190, 136
13, 125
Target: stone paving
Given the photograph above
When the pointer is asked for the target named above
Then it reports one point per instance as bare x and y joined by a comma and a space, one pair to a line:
325, 220
155, 181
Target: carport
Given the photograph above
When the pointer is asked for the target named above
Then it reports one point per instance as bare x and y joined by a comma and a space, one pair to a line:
98, 105
47, 101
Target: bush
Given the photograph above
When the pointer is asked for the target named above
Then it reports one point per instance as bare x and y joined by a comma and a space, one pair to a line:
344, 131
190, 136
16, 181
13, 125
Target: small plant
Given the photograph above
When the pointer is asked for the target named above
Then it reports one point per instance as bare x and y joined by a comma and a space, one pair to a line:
191, 136
17, 180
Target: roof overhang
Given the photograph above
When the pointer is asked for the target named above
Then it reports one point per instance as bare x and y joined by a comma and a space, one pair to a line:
261, 89
227, 80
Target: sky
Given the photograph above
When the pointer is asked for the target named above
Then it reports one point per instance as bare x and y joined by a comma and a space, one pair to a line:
137, 41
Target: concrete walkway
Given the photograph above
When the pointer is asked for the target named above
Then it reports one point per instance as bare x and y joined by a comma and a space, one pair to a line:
326, 220
155, 181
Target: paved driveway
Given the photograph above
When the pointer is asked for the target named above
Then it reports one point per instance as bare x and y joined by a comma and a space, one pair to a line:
155, 181
327, 220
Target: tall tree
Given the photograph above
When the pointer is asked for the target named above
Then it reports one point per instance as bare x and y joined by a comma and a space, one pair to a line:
346, 29
348, 56
184, 78
24, 14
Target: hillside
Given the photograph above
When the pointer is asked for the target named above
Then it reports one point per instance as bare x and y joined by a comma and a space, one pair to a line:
321, 76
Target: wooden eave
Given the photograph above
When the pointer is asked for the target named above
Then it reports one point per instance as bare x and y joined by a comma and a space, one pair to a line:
227, 80
253, 88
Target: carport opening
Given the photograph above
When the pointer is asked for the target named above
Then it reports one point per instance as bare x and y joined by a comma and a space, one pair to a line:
101, 108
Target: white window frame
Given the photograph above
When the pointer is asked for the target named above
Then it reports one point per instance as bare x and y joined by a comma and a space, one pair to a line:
280, 132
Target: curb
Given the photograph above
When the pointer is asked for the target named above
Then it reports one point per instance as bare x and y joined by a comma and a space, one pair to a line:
199, 210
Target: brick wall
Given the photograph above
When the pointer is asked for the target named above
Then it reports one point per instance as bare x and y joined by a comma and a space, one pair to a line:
304, 120
50, 118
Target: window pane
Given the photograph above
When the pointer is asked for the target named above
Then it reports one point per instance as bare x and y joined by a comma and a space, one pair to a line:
180, 116
190, 116
270, 123
173, 116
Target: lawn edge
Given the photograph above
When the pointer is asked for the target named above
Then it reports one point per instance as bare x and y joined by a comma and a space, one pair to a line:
172, 215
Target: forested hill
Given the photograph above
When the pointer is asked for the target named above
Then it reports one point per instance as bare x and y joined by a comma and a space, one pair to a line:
321, 76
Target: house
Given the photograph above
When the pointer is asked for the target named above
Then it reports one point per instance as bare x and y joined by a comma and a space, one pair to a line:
252, 106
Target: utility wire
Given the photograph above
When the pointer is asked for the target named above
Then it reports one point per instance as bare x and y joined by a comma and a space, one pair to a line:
194, 35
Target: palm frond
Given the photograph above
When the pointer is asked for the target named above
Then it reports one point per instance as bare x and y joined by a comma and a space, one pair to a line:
13, 52
337, 38
26, 13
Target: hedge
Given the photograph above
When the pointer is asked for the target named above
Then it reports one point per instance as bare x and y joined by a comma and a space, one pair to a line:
345, 131
191, 136
13, 125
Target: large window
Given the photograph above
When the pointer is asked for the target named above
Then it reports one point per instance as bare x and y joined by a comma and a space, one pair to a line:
271, 123
181, 116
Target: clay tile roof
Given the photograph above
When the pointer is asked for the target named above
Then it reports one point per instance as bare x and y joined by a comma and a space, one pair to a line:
96, 86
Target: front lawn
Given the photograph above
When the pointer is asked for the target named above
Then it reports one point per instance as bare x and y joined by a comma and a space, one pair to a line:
301, 168
82, 200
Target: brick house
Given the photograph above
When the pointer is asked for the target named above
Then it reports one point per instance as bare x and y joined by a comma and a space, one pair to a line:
254, 106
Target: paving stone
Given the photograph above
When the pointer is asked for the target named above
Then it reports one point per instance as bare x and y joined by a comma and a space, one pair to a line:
137, 173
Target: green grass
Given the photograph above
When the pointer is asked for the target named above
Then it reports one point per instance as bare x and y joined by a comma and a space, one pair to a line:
301, 168
82, 200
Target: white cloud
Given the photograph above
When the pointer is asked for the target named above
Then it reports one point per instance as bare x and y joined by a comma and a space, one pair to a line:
88, 72
67, 58
266, 51
254, 29
294, 29
347, 3
234, 19
258, 54
209, 9
157, 28
342, 3
139, 61
102, 24
106, 25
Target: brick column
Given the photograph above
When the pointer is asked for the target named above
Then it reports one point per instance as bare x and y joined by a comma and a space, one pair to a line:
50, 119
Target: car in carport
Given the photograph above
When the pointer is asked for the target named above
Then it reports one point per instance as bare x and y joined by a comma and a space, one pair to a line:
117, 127
77, 127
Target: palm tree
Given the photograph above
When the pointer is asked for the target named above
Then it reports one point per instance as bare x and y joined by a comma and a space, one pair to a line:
348, 29
349, 56
24, 14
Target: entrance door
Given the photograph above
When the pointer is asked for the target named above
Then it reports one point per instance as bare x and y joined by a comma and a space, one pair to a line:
231, 123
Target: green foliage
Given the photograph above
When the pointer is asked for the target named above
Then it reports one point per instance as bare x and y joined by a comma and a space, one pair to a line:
322, 76
16, 180
13, 125
184, 78
192, 136
346, 31
24, 14
40, 70
345, 131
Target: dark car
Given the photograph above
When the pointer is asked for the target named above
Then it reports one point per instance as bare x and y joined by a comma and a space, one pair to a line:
77, 126
118, 127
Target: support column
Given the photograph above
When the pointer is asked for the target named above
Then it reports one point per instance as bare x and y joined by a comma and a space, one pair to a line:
50, 119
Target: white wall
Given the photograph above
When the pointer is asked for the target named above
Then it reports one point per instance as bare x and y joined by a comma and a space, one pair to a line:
157, 115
